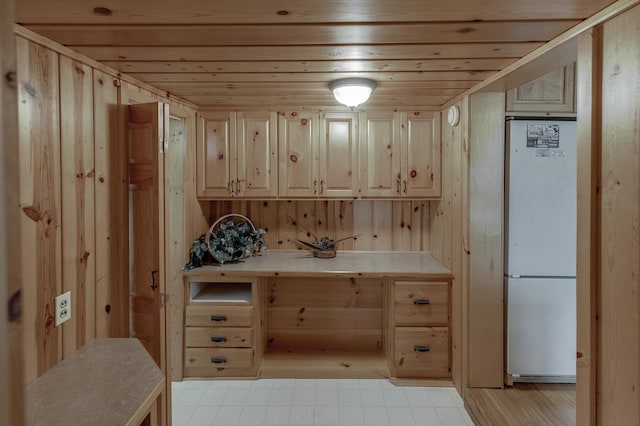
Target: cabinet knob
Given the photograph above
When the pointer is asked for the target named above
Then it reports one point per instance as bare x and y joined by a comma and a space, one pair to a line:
218, 317
222, 360
218, 339
421, 301
421, 348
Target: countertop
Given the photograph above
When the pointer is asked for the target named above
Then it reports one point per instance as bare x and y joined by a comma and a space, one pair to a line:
106, 382
295, 263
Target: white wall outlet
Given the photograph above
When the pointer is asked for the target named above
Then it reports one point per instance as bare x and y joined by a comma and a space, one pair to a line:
63, 308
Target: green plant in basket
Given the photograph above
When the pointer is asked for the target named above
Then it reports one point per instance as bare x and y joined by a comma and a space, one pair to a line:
234, 241
225, 242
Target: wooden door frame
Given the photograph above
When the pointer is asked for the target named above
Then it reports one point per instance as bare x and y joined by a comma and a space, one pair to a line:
588, 102
164, 408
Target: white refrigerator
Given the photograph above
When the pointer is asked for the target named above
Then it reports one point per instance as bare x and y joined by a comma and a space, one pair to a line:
540, 250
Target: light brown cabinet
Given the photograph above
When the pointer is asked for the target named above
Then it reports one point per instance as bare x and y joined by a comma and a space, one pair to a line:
318, 155
301, 154
222, 323
400, 154
370, 315
554, 92
237, 154
419, 328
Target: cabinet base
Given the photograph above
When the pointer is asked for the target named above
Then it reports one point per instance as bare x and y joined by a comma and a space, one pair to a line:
324, 365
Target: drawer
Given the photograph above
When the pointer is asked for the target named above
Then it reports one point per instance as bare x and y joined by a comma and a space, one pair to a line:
211, 315
218, 357
421, 303
422, 352
212, 337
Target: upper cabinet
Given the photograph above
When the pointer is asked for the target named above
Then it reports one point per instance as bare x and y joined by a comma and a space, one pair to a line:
420, 154
552, 93
302, 154
237, 154
400, 154
318, 154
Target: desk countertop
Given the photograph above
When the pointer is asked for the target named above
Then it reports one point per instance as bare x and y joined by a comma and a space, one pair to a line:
295, 263
105, 382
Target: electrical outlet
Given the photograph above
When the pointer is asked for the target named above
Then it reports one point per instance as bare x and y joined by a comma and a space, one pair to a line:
63, 308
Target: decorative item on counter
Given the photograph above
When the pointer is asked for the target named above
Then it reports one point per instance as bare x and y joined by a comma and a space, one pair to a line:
324, 248
227, 240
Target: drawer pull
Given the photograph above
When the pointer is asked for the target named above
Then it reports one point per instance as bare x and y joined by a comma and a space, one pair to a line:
218, 317
421, 348
218, 339
219, 360
421, 301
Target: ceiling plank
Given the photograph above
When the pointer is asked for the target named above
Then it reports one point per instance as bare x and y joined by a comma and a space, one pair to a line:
304, 53
307, 34
440, 78
296, 11
268, 102
313, 66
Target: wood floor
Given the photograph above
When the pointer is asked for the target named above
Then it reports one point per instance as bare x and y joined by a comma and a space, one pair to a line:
525, 404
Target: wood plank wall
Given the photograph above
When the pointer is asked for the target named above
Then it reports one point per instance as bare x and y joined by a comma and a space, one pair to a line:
73, 198
447, 229
486, 191
11, 373
38, 101
618, 330
380, 225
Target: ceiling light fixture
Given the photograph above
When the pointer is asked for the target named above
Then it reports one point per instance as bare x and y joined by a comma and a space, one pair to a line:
352, 91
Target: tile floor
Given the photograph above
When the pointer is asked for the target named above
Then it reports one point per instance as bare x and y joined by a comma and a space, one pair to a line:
327, 402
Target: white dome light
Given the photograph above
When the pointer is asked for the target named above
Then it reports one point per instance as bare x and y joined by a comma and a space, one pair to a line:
352, 91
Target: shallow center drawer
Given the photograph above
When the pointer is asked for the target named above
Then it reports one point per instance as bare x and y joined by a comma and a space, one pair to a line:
211, 315
421, 303
211, 337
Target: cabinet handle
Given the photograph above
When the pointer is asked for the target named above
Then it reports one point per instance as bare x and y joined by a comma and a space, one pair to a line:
398, 186
219, 360
405, 186
231, 187
218, 339
321, 187
421, 301
421, 349
315, 187
218, 317
238, 187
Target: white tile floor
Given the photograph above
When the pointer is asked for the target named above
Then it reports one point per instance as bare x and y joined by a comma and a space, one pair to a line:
300, 402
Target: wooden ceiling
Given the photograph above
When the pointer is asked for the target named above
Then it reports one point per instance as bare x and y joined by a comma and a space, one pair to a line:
260, 53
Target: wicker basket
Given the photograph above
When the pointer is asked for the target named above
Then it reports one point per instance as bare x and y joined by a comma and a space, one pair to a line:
324, 254
224, 219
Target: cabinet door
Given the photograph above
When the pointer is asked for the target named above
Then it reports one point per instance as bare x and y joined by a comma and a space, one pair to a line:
298, 151
553, 92
421, 154
338, 167
216, 163
380, 154
256, 154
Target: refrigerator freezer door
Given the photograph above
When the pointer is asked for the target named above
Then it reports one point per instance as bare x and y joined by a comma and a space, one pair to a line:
541, 327
541, 199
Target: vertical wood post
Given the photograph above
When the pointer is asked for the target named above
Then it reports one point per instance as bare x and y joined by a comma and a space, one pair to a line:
11, 366
589, 77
